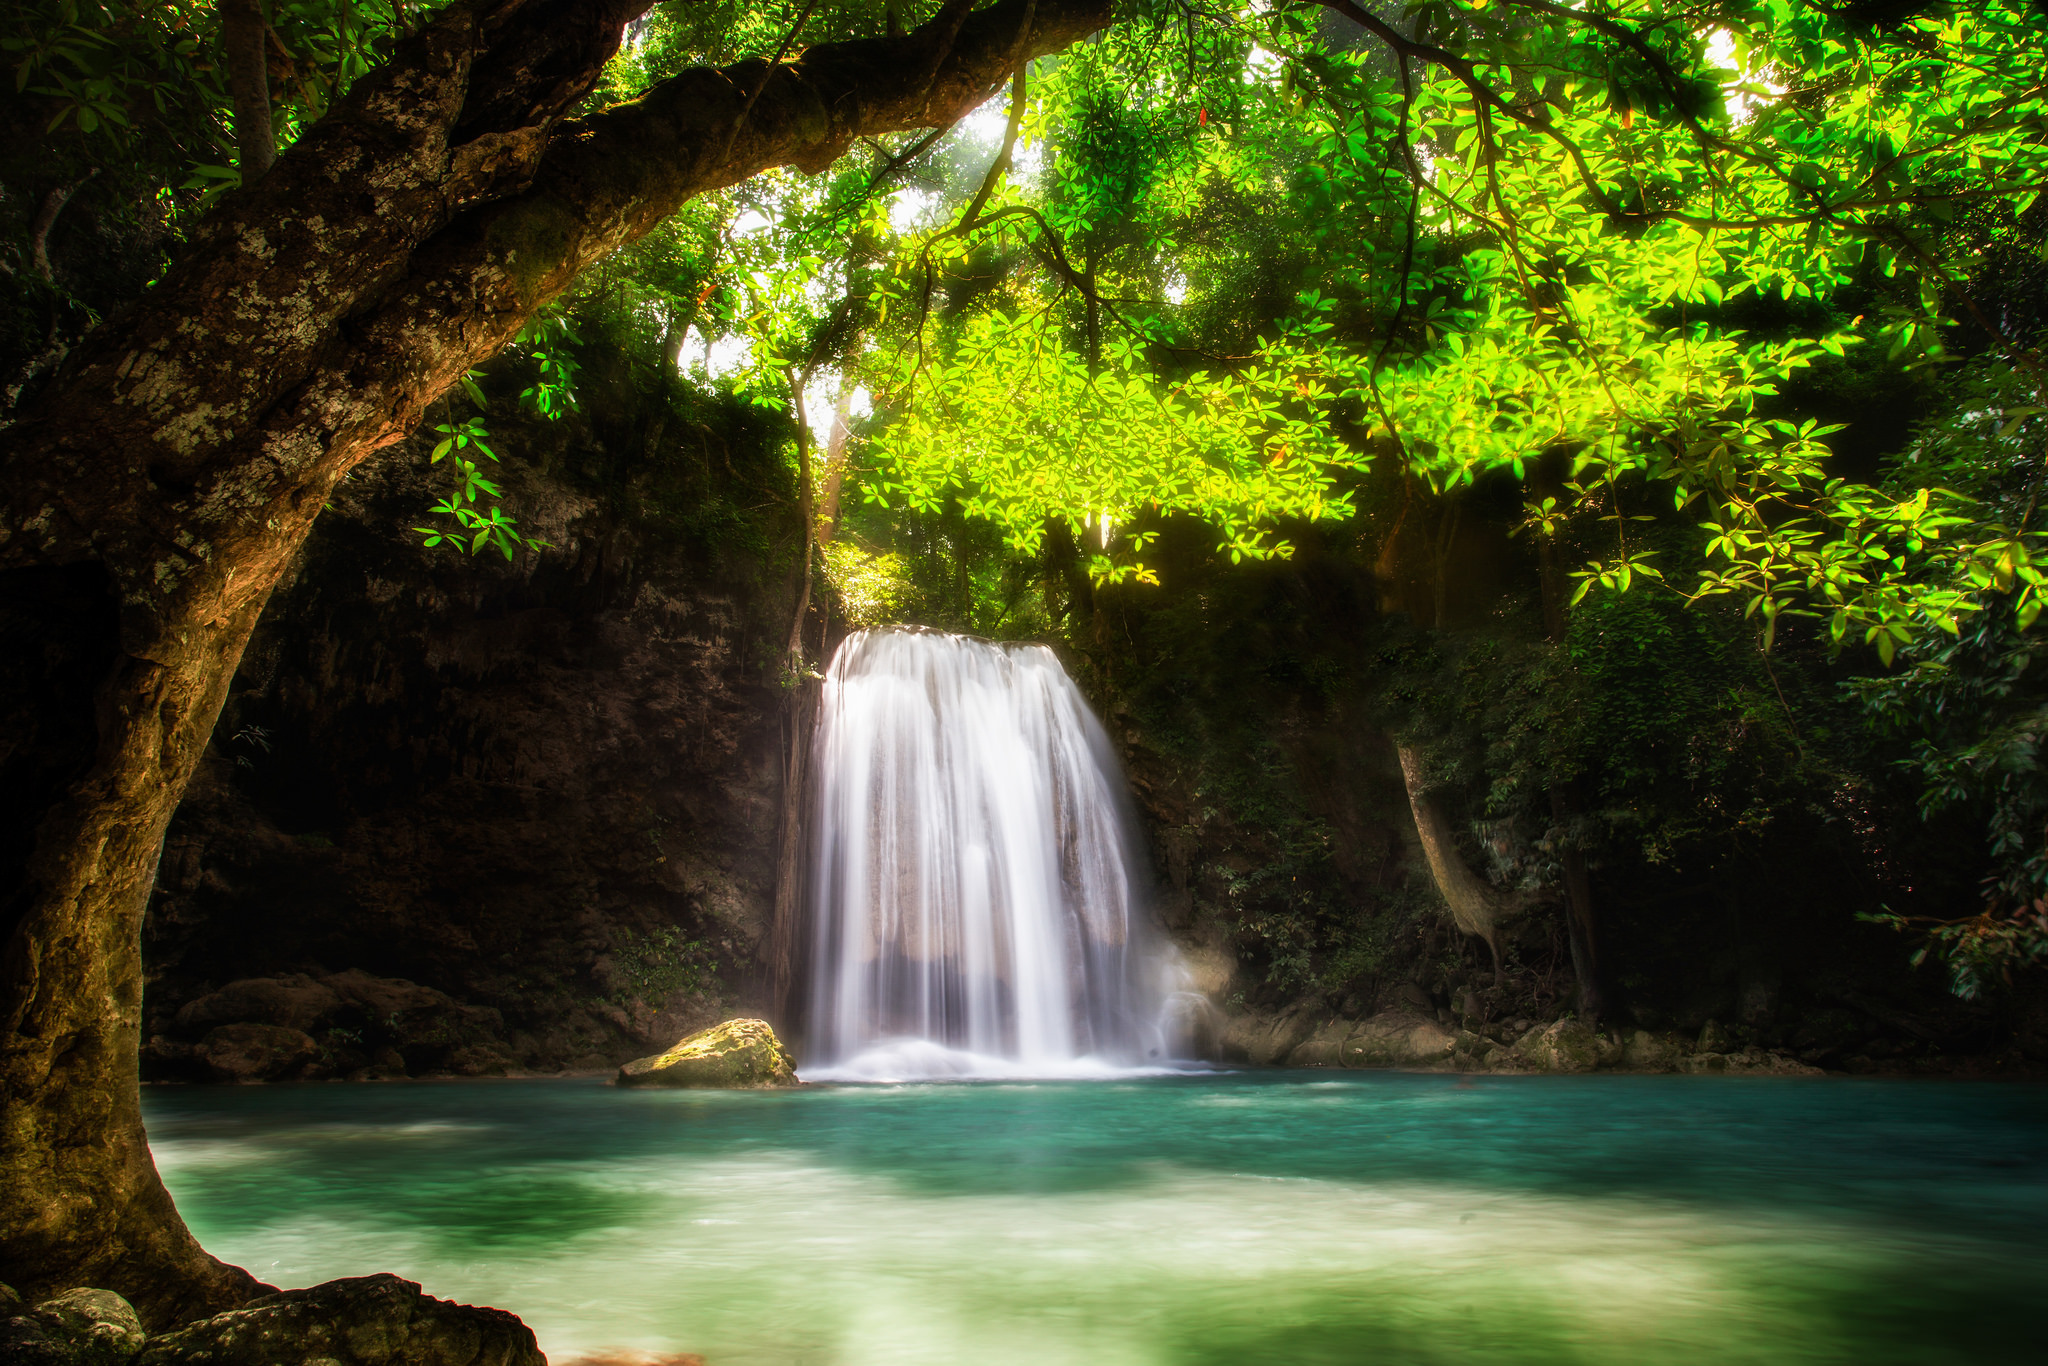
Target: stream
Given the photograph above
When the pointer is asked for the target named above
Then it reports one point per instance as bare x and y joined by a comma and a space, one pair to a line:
1259, 1217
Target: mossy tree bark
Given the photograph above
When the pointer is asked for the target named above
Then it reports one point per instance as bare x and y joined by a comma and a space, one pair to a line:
153, 496
1474, 906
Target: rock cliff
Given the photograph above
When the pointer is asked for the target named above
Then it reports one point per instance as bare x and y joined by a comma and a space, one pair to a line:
468, 816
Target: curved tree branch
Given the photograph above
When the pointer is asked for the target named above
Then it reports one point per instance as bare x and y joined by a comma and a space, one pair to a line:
175, 464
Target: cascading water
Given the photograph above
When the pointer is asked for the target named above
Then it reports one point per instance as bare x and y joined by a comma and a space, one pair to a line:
974, 892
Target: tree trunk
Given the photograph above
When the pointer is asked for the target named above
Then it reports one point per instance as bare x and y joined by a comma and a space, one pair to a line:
1474, 908
176, 463
80, 1201
838, 446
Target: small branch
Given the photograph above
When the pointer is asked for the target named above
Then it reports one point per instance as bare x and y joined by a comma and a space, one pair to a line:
244, 35
46, 218
1001, 164
803, 468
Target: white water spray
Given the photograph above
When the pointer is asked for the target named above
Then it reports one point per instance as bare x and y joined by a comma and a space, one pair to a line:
974, 889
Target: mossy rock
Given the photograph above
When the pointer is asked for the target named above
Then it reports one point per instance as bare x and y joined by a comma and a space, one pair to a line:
363, 1321
1398, 1038
77, 1328
738, 1053
1566, 1046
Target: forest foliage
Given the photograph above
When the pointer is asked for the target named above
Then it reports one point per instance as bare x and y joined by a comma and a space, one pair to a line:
1228, 265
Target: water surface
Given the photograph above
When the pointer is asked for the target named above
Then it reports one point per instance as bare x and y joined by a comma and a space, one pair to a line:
1177, 1221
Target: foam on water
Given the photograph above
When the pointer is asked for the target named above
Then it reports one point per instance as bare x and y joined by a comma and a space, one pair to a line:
910, 1060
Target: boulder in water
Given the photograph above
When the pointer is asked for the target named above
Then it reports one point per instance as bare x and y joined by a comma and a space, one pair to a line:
738, 1053
364, 1321
77, 1328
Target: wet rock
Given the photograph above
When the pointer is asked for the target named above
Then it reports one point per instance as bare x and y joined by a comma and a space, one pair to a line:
77, 1328
366, 1321
1759, 1062
1565, 1046
1647, 1052
738, 1053
1264, 1040
1325, 1047
1193, 1017
1713, 1038
479, 1060
255, 1052
1398, 1038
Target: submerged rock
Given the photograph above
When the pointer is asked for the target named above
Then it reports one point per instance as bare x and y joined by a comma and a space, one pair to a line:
738, 1053
76, 1328
365, 1321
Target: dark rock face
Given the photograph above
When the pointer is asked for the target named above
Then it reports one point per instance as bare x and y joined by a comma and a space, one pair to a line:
463, 816
77, 1328
366, 1321
255, 1052
300, 1028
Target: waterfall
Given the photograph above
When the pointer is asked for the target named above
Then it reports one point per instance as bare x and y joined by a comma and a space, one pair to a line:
975, 895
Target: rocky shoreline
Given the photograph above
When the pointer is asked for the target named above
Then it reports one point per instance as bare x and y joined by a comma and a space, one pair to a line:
1408, 1038
355, 1027
363, 1321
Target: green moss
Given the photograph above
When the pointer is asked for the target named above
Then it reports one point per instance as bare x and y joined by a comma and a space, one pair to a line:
738, 1053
